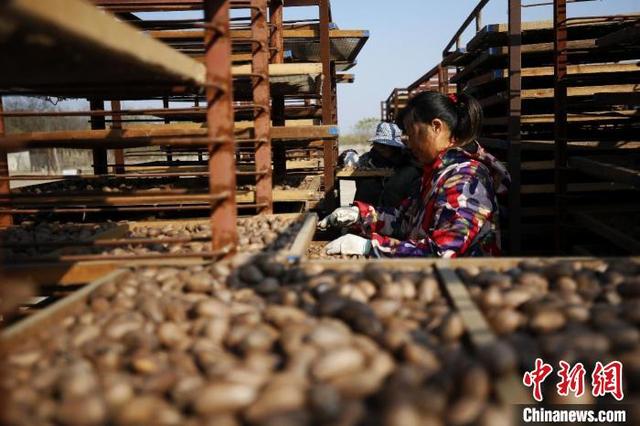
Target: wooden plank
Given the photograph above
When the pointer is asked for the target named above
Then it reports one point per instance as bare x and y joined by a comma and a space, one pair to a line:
608, 171
302, 241
575, 187
623, 36
617, 237
119, 231
289, 33
54, 313
276, 70
509, 388
70, 42
611, 116
153, 136
480, 333
128, 6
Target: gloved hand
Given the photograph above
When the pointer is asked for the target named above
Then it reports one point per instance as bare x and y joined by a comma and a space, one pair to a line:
340, 217
349, 244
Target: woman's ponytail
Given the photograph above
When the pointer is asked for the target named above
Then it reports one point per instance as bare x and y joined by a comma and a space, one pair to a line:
469, 123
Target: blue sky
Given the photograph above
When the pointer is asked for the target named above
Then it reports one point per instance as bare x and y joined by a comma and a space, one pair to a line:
408, 36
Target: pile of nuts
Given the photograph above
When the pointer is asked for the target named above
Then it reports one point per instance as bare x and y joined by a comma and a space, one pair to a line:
262, 343
28, 232
114, 185
256, 233
572, 311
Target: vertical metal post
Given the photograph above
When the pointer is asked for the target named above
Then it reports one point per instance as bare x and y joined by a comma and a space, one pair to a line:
396, 100
276, 42
167, 120
327, 103
479, 21
261, 97
560, 112
222, 176
6, 219
382, 115
98, 122
117, 124
515, 112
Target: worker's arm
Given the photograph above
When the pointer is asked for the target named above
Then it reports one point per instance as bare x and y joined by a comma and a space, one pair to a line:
462, 211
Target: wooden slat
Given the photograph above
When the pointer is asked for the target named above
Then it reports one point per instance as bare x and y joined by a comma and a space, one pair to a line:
71, 43
617, 237
151, 136
302, 241
573, 70
575, 187
276, 70
608, 171
40, 320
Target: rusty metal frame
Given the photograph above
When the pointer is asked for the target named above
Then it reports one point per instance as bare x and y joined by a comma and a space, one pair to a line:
116, 124
98, 123
5, 185
276, 43
514, 130
222, 176
328, 106
261, 98
560, 114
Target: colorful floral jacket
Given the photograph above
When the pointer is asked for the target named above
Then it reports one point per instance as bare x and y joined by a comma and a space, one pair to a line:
456, 213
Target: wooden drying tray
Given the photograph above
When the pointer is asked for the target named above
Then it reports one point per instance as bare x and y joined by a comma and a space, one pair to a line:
598, 118
345, 44
284, 79
79, 273
586, 70
628, 35
548, 93
549, 145
127, 6
154, 135
71, 44
283, 195
497, 34
580, 51
607, 170
618, 237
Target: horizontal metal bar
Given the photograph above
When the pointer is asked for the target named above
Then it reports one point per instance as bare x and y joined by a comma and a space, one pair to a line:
123, 258
256, 173
106, 243
465, 24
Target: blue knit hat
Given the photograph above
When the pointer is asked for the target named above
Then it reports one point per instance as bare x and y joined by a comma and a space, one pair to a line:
388, 134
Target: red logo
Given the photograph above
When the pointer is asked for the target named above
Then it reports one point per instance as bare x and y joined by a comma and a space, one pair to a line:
605, 379
536, 377
571, 379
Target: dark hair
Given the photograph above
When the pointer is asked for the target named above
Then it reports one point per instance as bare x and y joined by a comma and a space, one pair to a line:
462, 113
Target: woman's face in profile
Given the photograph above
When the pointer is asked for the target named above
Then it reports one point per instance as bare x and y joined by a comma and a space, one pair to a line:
426, 141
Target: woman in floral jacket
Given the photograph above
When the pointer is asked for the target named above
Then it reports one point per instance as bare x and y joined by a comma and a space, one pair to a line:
456, 213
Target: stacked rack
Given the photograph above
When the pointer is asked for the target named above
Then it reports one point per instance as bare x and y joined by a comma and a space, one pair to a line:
91, 55
598, 100
561, 106
276, 77
304, 57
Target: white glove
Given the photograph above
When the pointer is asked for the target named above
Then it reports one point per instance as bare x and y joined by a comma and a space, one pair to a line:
341, 217
349, 244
